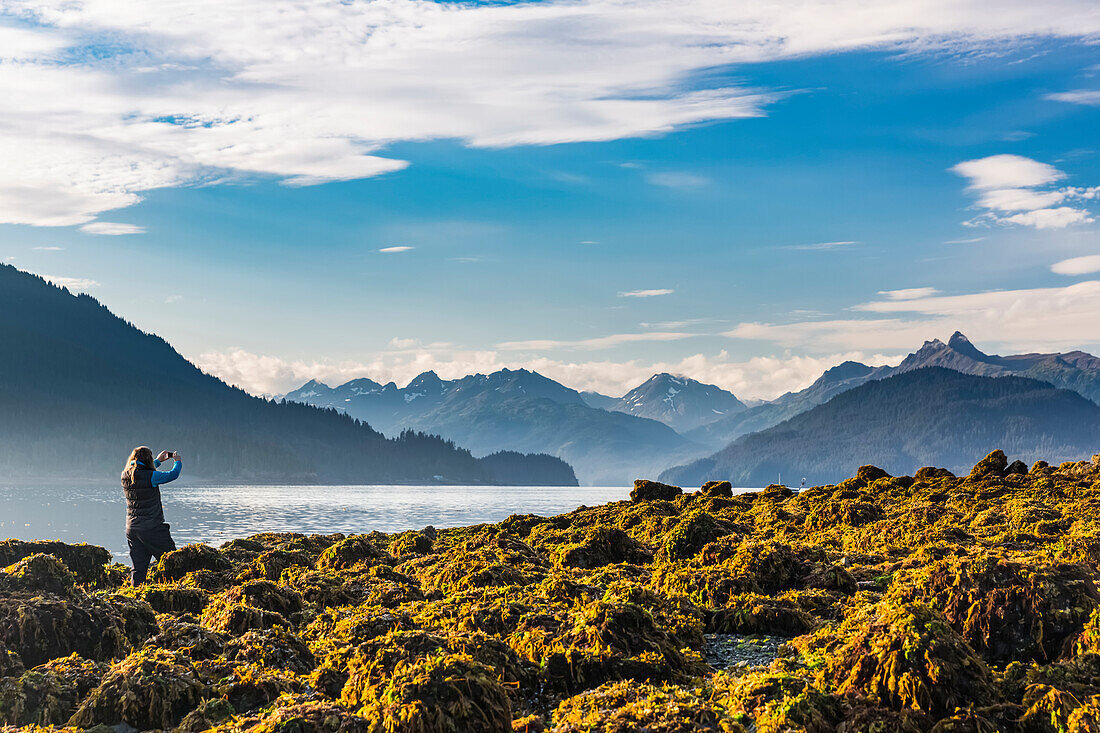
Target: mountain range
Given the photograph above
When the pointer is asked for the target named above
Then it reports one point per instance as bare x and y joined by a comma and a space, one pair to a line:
514, 410
923, 416
666, 420
1075, 370
80, 387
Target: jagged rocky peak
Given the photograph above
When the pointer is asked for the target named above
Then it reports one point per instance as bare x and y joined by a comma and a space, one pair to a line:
427, 381
963, 345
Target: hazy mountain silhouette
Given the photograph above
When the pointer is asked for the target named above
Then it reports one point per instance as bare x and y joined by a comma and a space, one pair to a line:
514, 410
80, 387
926, 416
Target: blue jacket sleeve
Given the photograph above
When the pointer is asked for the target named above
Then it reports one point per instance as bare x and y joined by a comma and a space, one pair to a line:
163, 477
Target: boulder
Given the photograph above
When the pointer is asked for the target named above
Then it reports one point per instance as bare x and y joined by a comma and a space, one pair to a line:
993, 464
645, 490
717, 488
175, 565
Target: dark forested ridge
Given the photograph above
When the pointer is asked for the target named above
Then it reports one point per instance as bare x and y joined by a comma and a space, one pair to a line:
529, 469
79, 387
929, 416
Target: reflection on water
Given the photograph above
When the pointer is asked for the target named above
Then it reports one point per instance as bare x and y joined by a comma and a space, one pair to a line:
98, 514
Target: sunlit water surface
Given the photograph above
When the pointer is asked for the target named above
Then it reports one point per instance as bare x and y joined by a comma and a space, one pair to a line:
214, 515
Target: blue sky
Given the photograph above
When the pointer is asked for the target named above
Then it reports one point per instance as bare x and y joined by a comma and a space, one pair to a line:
595, 190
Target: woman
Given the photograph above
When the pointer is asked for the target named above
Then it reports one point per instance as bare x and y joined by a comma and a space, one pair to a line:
146, 531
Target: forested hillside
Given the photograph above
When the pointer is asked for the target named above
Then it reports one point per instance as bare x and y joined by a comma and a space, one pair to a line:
79, 387
930, 416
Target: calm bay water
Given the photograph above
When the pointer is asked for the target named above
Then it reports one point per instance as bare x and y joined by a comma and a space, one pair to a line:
97, 515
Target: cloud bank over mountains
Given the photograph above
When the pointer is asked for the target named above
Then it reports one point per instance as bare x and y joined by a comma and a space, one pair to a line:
105, 101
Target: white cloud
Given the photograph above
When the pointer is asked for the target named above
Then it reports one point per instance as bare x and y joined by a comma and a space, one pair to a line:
971, 240
111, 228
395, 250
757, 378
1013, 183
1023, 320
646, 293
822, 246
1007, 171
677, 179
308, 92
72, 283
48, 249
1077, 265
1090, 97
173, 299
908, 293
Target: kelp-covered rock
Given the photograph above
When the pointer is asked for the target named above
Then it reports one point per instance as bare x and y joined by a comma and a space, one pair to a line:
177, 564
442, 693
604, 546
625, 707
49, 693
905, 656
173, 600
916, 604
645, 490
255, 604
149, 689
301, 714
85, 562
1007, 610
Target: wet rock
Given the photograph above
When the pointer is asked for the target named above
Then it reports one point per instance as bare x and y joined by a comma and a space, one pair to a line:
739, 650
41, 628
271, 564
1017, 468
654, 490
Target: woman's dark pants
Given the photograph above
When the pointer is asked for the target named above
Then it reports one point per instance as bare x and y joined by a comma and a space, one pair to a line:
146, 544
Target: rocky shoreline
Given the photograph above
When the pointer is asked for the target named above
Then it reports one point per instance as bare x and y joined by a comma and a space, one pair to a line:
924, 603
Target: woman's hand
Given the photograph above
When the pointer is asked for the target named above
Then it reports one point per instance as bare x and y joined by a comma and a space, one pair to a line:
177, 456
164, 456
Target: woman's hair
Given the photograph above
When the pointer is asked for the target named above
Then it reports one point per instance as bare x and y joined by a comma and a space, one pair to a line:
141, 454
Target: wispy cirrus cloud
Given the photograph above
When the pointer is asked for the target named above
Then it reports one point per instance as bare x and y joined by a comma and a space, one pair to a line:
396, 250
908, 293
1013, 189
1090, 97
111, 228
599, 342
646, 293
677, 179
106, 101
822, 246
